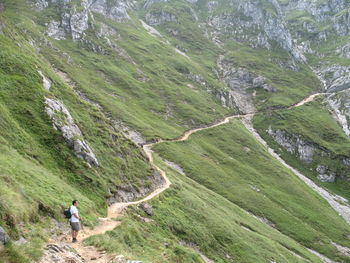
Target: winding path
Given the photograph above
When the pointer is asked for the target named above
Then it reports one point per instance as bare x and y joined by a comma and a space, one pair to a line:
91, 254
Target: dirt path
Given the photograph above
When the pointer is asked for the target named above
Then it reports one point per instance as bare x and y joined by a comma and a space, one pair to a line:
59, 250
306, 100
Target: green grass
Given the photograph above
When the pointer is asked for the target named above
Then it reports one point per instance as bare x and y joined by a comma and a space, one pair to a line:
39, 174
187, 213
230, 162
291, 85
327, 138
142, 105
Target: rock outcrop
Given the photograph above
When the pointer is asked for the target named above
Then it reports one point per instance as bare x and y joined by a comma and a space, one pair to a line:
74, 16
127, 192
240, 83
258, 26
63, 122
147, 208
340, 108
115, 10
46, 81
60, 254
293, 144
4, 238
337, 77
324, 175
157, 18
327, 166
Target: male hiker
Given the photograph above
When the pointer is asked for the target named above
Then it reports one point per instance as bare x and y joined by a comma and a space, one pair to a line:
74, 220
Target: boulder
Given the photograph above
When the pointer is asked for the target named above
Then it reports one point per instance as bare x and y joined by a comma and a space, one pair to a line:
147, 208
326, 178
4, 238
324, 175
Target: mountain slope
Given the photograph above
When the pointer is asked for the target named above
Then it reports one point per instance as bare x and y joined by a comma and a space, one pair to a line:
85, 83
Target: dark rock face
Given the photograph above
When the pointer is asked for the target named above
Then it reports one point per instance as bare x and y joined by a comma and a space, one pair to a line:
147, 208
4, 238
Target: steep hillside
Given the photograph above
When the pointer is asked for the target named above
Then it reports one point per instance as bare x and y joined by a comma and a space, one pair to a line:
85, 84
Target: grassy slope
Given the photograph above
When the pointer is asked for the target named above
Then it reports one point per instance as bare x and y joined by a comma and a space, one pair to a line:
305, 121
51, 162
39, 174
291, 85
143, 105
190, 213
230, 162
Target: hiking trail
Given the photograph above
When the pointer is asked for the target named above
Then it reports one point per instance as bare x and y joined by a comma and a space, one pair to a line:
60, 249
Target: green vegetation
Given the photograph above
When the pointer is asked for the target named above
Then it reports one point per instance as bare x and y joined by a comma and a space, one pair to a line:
132, 76
39, 174
189, 217
291, 85
330, 142
230, 162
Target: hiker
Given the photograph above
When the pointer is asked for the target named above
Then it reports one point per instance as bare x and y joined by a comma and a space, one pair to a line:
74, 220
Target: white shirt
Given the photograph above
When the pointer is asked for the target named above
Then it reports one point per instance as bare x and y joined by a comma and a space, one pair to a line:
74, 210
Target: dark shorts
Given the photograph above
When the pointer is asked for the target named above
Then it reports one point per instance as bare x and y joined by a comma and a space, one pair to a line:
75, 226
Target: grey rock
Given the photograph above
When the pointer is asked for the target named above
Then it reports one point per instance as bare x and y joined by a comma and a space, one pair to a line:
148, 3
55, 31
40, 5
127, 192
257, 27
132, 135
116, 10
147, 208
305, 151
197, 78
337, 77
320, 10
342, 23
321, 169
63, 122
158, 18
74, 20
46, 81
324, 174
345, 251
344, 51
60, 253
293, 144
4, 238
151, 30
239, 81
339, 204
325, 178
212, 5
78, 22
340, 107
226, 98
175, 166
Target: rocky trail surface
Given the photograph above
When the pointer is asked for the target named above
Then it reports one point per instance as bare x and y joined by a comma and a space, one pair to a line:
60, 249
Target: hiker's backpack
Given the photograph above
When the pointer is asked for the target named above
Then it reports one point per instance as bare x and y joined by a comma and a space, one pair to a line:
67, 213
